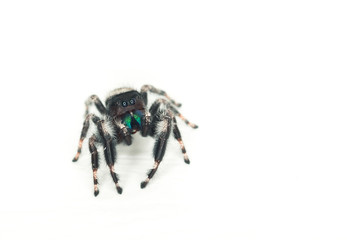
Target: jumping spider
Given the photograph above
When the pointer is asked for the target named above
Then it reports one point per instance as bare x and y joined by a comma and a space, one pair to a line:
125, 114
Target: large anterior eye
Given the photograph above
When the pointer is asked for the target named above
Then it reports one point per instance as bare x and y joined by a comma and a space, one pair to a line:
132, 101
124, 104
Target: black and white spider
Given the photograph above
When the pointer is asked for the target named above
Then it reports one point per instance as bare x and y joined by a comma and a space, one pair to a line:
125, 114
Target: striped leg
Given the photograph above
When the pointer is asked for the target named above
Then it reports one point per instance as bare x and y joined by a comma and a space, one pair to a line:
98, 104
109, 150
159, 146
157, 103
178, 137
95, 162
101, 108
177, 113
150, 88
192, 125
115, 178
82, 137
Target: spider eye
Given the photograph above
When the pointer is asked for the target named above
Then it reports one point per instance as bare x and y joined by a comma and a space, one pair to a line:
132, 101
124, 104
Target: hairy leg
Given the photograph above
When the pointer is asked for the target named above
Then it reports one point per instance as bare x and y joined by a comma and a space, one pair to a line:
156, 105
109, 149
92, 100
95, 162
82, 137
178, 137
95, 100
150, 88
163, 129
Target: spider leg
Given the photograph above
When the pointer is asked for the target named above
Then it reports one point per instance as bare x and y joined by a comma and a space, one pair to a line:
82, 137
162, 134
109, 149
177, 113
98, 104
155, 110
150, 88
178, 137
101, 108
95, 162
157, 103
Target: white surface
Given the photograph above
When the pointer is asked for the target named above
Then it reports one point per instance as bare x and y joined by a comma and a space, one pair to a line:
264, 80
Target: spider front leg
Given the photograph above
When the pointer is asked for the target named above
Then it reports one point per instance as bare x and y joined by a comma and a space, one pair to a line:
109, 149
173, 112
163, 129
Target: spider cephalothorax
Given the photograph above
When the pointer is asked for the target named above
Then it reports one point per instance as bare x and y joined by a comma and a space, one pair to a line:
126, 106
125, 113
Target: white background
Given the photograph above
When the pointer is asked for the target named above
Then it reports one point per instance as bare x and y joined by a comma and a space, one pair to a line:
264, 80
